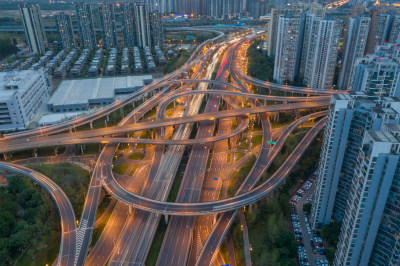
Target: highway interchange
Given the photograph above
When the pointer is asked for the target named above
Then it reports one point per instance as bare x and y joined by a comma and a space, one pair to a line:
193, 235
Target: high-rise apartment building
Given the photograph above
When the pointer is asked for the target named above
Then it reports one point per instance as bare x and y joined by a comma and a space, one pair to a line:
378, 74
108, 27
359, 168
128, 23
86, 26
33, 27
319, 52
356, 40
394, 35
65, 30
288, 48
367, 108
142, 25
156, 29
377, 166
382, 17
294, 9
225, 8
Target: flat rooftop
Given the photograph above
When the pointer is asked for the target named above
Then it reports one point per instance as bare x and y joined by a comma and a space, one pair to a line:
16, 81
383, 136
78, 94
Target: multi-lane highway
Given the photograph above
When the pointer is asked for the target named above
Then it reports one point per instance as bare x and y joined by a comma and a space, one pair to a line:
131, 242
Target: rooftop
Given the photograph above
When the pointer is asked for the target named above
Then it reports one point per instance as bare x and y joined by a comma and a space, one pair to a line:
17, 81
382, 136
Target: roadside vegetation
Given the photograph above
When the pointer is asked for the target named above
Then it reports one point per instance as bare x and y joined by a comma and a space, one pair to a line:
260, 66
29, 219
176, 61
270, 231
330, 234
7, 48
238, 177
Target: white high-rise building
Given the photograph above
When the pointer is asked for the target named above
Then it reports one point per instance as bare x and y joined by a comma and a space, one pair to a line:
21, 95
320, 48
288, 48
33, 27
356, 41
378, 74
376, 169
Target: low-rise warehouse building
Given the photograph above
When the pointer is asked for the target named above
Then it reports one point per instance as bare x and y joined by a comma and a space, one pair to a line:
81, 94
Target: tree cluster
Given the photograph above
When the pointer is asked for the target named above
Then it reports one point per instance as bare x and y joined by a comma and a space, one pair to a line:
7, 48
260, 66
24, 211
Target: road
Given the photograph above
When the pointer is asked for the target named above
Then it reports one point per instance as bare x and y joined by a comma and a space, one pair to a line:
131, 244
84, 136
66, 255
180, 229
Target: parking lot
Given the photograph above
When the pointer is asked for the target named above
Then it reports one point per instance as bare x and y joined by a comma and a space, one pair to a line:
310, 246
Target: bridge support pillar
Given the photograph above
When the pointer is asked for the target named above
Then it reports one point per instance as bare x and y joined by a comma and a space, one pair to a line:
35, 153
166, 218
91, 124
250, 207
174, 104
5, 155
108, 118
130, 210
100, 147
144, 148
56, 150
215, 218
70, 130
81, 148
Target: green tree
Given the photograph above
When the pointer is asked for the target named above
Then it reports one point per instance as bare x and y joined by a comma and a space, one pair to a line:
307, 208
4, 252
330, 254
7, 48
331, 233
7, 223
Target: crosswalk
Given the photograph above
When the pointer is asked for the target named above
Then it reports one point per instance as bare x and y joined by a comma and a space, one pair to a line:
80, 235
199, 246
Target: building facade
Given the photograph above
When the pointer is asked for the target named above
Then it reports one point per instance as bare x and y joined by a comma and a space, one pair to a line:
86, 26
128, 23
376, 167
21, 95
382, 17
288, 48
356, 40
320, 49
156, 29
142, 25
378, 74
33, 27
65, 30
294, 9
108, 27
